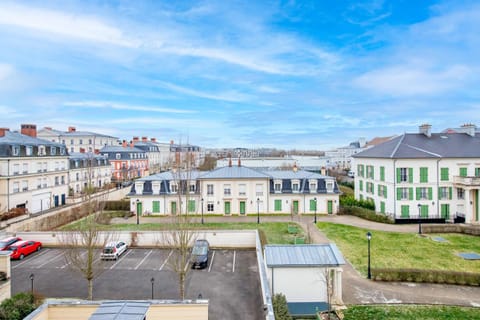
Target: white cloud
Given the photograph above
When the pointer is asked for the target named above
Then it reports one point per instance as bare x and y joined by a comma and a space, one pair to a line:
120, 106
230, 96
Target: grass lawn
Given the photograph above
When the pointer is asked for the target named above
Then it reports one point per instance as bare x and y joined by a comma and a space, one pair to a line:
411, 313
275, 232
403, 250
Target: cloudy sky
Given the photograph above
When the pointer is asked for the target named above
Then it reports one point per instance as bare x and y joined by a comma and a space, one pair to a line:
285, 74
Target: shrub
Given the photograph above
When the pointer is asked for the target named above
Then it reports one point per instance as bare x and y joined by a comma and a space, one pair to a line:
123, 205
17, 307
365, 214
427, 276
13, 213
280, 307
263, 237
350, 201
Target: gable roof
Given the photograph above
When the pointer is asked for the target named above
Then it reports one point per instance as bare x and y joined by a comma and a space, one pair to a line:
234, 172
21, 139
311, 255
417, 145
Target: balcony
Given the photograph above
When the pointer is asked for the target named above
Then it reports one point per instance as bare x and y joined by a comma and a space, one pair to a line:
467, 181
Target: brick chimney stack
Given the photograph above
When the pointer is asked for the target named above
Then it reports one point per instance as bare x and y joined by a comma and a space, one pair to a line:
124, 143
144, 139
136, 139
469, 128
2, 131
29, 130
131, 144
72, 129
425, 129
153, 139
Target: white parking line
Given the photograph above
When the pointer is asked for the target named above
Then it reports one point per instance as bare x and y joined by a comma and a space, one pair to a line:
119, 258
165, 262
143, 260
233, 267
69, 262
45, 251
53, 259
211, 262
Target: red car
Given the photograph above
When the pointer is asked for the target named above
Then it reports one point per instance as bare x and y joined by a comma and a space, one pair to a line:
23, 248
4, 243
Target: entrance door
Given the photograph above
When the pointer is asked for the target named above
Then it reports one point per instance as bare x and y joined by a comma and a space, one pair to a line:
242, 207
330, 206
173, 207
63, 199
139, 208
295, 206
55, 201
227, 207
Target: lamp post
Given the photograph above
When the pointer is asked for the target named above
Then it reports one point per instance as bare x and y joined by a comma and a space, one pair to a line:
32, 277
138, 213
202, 210
152, 281
369, 237
258, 210
419, 219
315, 200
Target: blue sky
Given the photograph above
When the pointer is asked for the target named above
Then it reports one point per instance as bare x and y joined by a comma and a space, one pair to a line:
285, 74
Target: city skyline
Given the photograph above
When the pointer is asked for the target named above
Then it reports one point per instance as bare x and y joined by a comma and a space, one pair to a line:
276, 74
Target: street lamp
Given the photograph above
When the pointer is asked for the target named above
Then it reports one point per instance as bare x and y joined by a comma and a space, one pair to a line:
258, 210
32, 276
419, 219
202, 210
152, 281
369, 237
138, 213
315, 199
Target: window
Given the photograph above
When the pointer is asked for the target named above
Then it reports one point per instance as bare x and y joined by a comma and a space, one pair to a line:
278, 205
403, 193
80, 141
191, 188
24, 185
77, 176
369, 187
444, 174
45, 182
63, 179
360, 185
403, 174
370, 173
39, 167
41, 150
53, 151
277, 186
259, 190
242, 189
118, 156
424, 193
295, 187
477, 172
360, 170
424, 211
405, 211
25, 168
71, 149
16, 187
463, 172
210, 189
423, 175
16, 169
56, 166
382, 173
445, 193
382, 191
89, 141
56, 181
329, 185
62, 151
382, 207
173, 188
227, 191
39, 183
210, 207
460, 194
28, 150
445, 210
15, 150
71, 141
313, 186
45, 167
191, 205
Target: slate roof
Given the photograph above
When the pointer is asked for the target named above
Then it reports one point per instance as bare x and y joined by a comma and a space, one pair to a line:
290, 174
121, 310
311, 255
120, 149
234, 172
77, 133
169, 176
419, 146
14, 137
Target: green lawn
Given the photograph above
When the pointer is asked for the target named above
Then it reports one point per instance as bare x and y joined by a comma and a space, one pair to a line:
411, 313
275, 232
403, 250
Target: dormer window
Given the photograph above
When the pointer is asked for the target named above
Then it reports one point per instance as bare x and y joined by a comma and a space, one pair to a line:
41, 150
277, 186
329, 185
313, 186
15, 150
28, 150
53, 151
173, 188
295, 186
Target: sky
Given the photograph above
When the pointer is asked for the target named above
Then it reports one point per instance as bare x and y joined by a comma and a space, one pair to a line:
284, 74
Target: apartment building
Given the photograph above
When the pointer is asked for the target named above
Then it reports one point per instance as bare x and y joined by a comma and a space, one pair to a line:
78, 141
127, 161
88, 169
424, 174
235, 190
158, 158
33, 171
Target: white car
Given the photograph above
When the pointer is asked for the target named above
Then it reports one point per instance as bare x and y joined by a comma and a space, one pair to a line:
113, 250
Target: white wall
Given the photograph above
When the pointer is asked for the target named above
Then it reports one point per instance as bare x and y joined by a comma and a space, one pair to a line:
298, 284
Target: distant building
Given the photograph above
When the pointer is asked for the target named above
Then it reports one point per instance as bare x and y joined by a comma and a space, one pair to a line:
128, 162
88, 169
308, 163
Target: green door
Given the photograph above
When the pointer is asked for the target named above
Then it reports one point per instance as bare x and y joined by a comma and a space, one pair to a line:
227, 207
242, 207
476, 205
330, 206
295, 206
173, 207
139, 208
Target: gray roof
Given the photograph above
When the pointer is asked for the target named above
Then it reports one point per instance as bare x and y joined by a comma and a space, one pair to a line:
169, 176
76, 133
121, 310
14, 137
234, 172
85, 155
120, 149
311, 255
290, 174
418, 145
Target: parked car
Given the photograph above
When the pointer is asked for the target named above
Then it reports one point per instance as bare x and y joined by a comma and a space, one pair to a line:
21, 249
113, 250
4, 243
199, 256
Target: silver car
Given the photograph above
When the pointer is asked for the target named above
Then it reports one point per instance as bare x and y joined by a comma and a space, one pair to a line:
113, 250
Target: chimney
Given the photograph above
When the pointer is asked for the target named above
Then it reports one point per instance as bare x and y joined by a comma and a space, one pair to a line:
153, 139
171, 141
295, 169
82, 150
362, 142
469, 128
48, 128
97, 151
29, 130
136, 139
72, 129
144, 139
323, 171
425, 129
2, 131
230, 161
239, 162
131, 144
124, 143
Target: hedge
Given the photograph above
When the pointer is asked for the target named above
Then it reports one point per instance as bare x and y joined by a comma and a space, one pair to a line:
427, 276
117, 205
350, 201
365, 214
280, 307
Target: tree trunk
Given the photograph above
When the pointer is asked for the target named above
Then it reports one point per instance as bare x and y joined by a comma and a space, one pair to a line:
90, 289
182, 285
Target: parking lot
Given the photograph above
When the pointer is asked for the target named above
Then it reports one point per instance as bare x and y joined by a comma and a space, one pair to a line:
230, 281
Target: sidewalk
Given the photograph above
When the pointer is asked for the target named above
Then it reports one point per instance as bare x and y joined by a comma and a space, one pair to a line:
357, 289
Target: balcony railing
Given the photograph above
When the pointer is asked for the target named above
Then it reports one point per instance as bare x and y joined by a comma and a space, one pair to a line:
467, 181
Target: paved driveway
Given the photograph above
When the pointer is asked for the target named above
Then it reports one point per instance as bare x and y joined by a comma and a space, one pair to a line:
230, 281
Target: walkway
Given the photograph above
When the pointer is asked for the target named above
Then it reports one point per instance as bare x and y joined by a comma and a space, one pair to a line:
356, 288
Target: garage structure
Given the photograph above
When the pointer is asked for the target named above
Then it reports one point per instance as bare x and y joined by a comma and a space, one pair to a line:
310, 276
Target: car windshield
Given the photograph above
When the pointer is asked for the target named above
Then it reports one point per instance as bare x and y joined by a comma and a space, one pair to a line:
12, 248
3, 243
108, 250
199, 250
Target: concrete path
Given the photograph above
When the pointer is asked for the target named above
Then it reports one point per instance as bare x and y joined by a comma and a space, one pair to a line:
356, 288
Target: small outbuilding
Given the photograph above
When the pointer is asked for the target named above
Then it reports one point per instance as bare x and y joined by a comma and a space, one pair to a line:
310, 276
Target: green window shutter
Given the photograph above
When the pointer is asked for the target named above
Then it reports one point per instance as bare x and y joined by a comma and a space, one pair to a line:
477, 172
399, 193
378, 190
430, 194
360, 185
361, 197
417, 190
410, 193
423, 174
385, 191
405, 211
312, 205
398, 175
156, 206
382, 207
278, 205
439, 193
382, 173
463, 172
373, 173
410, 175
191, 205
450, 193
444, 174
424, 211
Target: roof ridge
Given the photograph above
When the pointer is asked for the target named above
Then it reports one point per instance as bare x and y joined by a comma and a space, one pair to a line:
423, 150
398, 146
